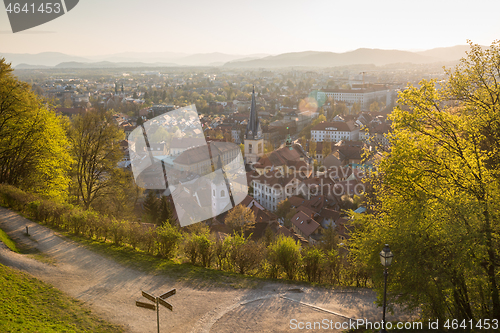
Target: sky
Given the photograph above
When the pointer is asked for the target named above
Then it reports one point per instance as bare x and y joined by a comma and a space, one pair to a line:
100, 27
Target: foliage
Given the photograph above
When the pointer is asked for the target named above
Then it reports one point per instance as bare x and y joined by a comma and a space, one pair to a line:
33, 145
240, 219
439, 194
312, 148
272, 256
244, 254
169, 239
94, 140
284, 255
313, 259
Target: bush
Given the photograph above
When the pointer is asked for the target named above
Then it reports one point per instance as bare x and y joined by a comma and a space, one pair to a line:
134, 234
15, 198
221, 250
245, 254
284, 253
313, 261
168, 238
117, 229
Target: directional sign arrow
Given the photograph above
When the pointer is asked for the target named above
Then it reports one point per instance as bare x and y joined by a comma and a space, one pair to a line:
168, 294
165, 304
149, 296
145, 305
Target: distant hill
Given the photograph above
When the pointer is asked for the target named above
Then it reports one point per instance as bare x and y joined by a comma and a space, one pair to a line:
126, 59
108, 64
206, 59
44, 59
27, 66
331, 59
448, 53
362, 56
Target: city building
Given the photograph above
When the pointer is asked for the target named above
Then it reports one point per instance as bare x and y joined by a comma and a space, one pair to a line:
334, 131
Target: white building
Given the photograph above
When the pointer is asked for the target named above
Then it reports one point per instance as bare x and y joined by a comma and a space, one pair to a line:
271, 188
362, 96
334, 132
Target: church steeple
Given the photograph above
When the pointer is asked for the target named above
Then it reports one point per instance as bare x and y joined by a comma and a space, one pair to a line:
289, 140
254, 130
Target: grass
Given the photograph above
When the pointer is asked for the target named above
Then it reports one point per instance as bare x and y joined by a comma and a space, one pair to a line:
8, 242
30, 305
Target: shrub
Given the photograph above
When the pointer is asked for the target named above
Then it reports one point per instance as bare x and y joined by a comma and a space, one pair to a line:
221, 250
245, 254
313, 259
285, 254
117, 229
168, 238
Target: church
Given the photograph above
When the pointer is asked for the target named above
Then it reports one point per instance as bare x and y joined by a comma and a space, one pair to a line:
254, 139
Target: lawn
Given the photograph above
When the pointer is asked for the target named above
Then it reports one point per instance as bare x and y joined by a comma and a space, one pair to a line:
30, 305
8, 241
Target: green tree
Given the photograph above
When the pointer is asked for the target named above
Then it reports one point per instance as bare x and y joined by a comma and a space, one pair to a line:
288, 217
313, 261
285, 254
439, 194
312, 148
327, 148
95, 148
283, 208
240, 219
33, 145
151, 207
164, 211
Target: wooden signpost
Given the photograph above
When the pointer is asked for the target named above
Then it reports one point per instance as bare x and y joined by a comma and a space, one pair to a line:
157, 301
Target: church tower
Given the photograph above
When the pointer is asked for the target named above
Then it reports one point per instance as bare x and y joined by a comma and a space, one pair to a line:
254, 140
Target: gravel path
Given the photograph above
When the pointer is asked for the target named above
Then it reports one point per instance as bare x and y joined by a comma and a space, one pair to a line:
111, 290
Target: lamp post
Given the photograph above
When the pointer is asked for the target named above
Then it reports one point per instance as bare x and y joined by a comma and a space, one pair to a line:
386, 259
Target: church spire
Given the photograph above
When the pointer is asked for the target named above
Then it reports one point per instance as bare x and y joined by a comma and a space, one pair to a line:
289, 140
253, 128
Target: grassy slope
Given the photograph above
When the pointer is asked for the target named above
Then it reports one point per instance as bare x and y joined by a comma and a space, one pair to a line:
8, 241
30, 305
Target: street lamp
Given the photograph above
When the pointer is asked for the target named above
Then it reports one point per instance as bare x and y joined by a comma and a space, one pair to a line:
386, 259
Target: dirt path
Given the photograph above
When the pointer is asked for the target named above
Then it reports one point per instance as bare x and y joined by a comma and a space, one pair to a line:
111, 290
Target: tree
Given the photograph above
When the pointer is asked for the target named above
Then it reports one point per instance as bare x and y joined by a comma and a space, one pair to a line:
288, 217
327, 148
312, 148
374, 107
151, 207
95, 147
284, 253
33, 144
439, 194
122, 197
329, 239
313, 260
164, 211
283, 208
356, 108
268, 148
240, 219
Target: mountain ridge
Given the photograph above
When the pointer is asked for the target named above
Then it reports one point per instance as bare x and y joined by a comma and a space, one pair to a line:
361, 56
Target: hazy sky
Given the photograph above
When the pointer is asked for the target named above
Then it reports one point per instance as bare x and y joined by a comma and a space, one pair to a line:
96, 27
